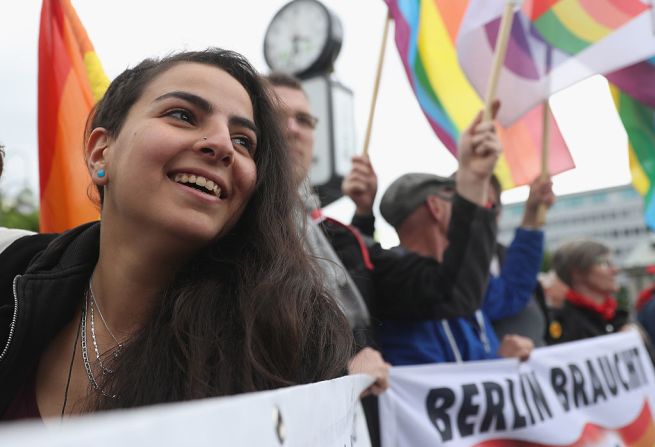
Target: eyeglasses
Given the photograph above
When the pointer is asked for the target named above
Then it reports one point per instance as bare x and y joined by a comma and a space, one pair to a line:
605, 262
305, 120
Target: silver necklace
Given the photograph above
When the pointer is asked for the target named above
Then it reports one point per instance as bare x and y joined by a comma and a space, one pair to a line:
104, 369
85, 352
70, 372
119, 346
102, 317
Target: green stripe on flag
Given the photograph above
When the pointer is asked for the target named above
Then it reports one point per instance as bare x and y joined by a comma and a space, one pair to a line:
559, 35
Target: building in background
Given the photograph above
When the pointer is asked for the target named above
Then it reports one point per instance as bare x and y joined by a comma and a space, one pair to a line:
613, 216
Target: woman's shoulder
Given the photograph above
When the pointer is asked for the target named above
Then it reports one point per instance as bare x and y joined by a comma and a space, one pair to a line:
18, 248
9, 235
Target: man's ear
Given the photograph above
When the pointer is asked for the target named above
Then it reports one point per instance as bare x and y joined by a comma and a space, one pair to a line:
95, 147
435, 208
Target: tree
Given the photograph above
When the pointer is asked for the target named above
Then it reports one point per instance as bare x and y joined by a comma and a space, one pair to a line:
21, 212
547, 261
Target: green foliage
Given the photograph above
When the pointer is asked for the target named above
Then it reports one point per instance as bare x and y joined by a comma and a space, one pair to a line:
21, 212
622, 298
546, 262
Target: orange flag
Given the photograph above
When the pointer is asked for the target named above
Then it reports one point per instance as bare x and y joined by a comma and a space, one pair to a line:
71, 81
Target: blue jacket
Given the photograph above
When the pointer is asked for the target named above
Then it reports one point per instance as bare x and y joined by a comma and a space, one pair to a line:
469, 338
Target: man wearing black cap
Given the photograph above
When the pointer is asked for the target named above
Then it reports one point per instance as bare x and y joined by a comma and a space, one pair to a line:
443, 271
429, 214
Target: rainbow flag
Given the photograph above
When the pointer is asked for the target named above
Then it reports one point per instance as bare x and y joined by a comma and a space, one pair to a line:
71, 80
634, 102
426, 31
574, 25
553, 44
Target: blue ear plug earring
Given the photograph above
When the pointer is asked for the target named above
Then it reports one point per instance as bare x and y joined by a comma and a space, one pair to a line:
101, 173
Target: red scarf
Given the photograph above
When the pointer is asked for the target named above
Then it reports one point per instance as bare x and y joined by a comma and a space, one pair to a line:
605, 310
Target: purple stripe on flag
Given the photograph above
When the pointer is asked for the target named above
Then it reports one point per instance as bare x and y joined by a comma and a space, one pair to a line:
444, 137
636, 81
519, 59
403, 37
403, 30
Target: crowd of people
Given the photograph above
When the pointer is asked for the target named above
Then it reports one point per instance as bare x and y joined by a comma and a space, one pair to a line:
213, 271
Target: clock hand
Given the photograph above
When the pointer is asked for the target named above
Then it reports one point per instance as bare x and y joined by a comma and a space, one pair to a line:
295, 41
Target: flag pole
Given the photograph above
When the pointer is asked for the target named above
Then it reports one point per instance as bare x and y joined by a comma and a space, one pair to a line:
545, 156
376, 85
499, 57
545, 140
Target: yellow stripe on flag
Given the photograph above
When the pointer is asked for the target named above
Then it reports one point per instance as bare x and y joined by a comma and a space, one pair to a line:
574, 17
97, 77
503, 173
439, 57
639, 178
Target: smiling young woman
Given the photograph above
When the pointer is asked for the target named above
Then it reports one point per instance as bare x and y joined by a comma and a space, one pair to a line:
195, 283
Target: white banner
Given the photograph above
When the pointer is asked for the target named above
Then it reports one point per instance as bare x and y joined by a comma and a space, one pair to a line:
596, 392
320, 414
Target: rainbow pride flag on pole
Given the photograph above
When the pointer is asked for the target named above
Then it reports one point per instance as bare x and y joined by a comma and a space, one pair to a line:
425, 33
553, 44
634, 102
71, 80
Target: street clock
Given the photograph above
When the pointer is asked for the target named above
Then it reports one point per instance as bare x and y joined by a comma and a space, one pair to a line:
303, 39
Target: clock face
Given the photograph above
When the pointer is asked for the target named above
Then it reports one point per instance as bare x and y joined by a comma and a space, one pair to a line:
299, 36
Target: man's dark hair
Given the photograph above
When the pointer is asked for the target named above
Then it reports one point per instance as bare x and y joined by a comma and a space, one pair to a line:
277, 79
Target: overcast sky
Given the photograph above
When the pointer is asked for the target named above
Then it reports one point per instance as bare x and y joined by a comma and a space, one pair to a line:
124, 32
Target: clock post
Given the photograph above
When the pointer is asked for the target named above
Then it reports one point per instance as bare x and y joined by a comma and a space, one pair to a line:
304, 39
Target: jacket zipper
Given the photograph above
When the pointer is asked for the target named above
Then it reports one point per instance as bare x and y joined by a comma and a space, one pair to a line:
12, 328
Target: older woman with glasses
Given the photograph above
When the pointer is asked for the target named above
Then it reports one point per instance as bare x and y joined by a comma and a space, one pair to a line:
590, 309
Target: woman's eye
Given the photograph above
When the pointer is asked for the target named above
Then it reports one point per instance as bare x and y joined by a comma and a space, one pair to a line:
182, 115
244, 142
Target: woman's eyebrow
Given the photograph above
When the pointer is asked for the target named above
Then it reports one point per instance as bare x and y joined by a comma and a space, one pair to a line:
245, 122
206, 107
196, 100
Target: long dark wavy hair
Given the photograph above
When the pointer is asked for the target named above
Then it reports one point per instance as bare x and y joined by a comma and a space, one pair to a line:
250, 311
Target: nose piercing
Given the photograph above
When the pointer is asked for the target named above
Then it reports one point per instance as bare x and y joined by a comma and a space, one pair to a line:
204, 138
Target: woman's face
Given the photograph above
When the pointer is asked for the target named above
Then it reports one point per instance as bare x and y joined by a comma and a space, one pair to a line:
601, 277
182, 164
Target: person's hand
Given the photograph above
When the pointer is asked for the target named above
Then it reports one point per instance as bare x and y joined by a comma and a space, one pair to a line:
479, 149
541, 194
361, 185
516, 346
632, 327
369, 361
